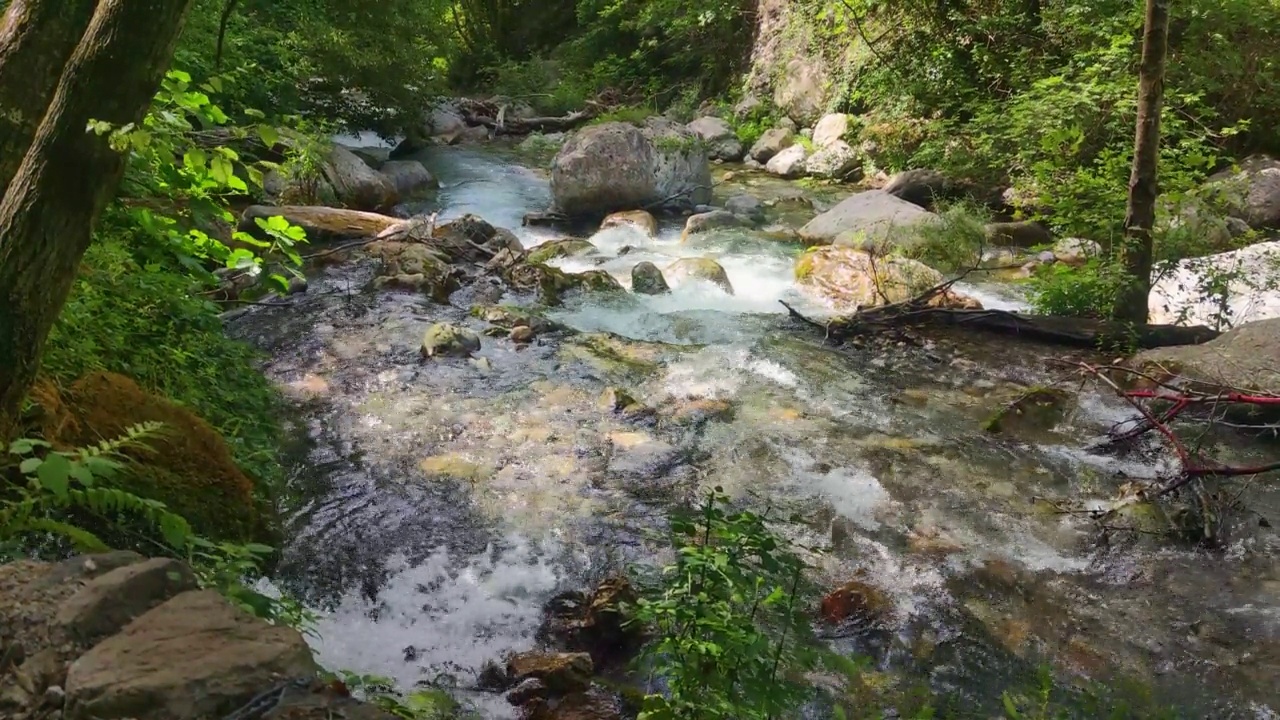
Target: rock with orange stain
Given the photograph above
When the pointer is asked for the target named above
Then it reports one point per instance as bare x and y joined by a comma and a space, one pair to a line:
856, 602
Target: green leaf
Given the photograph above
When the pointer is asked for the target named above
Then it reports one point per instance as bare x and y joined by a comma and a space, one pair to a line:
54, 474
194, 158
82, 474
269, 135
30, 465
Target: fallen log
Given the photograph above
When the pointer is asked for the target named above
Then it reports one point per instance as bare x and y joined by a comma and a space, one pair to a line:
321, 223
527, 126
1073, 332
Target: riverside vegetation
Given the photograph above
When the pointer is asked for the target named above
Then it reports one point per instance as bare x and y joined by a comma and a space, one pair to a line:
147, 428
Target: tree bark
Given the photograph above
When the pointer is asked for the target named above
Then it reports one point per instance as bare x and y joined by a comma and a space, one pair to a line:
36, 39
68, 176
1140, 214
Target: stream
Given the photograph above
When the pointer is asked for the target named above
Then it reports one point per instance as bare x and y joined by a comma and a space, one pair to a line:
440, 504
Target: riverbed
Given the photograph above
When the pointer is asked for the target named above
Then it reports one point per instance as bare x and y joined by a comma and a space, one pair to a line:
438, 505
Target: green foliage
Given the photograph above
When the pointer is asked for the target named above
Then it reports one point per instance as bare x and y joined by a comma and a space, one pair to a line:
53, 485
1088, 291
730, 635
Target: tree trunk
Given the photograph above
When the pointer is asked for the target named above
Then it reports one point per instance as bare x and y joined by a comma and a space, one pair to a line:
36, 39
1140, 215
68, 175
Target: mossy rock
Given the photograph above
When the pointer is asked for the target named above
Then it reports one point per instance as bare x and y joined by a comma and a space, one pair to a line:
1037, 410
505, 318
188, 465
449, 340
553, 284
556, 249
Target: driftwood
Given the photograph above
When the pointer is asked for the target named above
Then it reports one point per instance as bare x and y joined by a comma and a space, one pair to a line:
1075, 332
525, 126
322, 223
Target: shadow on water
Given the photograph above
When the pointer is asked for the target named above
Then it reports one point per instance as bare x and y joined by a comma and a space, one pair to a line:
439, 504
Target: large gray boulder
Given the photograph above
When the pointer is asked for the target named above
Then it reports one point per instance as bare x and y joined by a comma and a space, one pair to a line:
721, 141
834, 161
618, 166
771, 143
1252, 191
1191, 291
357, 185
872, 220
830, 129
1241, 359
801, 89
789, 163
410, 177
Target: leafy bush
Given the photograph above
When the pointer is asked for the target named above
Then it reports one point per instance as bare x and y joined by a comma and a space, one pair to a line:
730, 634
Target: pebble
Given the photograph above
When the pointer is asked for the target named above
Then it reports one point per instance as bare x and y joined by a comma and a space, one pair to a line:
521, 334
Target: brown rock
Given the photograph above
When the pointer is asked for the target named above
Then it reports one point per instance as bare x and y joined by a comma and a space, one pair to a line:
521, 334
594, 704
563, 673
194, 657
109, 602
639, 219
856, 602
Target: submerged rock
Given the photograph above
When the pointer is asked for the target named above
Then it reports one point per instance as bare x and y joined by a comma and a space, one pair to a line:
562, 673
721, 141
647, 279
703, 268
1035, 411
449, 340
565, 247
872, 220
616, 166
856, 603
746, 206
641, 220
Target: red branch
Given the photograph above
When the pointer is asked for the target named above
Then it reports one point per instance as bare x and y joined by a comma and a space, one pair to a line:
1192, 464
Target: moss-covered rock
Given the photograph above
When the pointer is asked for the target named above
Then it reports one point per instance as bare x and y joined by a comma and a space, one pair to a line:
555, 249
188, 466
552, 284
647, 279
449, 340
415, 266
700, 268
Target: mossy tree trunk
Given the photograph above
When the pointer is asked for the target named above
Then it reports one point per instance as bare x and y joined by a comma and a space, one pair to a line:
67, 175
1140, 214
36, 39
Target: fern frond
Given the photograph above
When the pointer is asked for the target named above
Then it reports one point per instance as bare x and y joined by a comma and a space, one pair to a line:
84, 540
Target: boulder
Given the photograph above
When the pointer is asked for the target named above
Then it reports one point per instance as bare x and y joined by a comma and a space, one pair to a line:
1190, 292
647, 279
1252, 191
195, 656
789, 163
771, 143
848, 279
617, 166
746, 206
856, 603
111, 601
921, 187
872, 220
562, 248
446, 124
1019, 233
834, 161
416, 267
708, 221
699, 268
449, 340
562, 673
721, 141
374, 157
594, 704
801, 89
410, 177
1243, 358
1076, 251
188, 466
552, 284
641, 220
830, 129
357, 185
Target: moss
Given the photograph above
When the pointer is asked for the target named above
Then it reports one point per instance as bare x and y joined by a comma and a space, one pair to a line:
566, 247
188, 466
804, 264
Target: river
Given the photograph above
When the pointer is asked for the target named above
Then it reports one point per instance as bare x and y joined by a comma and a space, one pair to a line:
438, 505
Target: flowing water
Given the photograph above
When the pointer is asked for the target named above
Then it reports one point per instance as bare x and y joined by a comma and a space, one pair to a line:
441, 503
